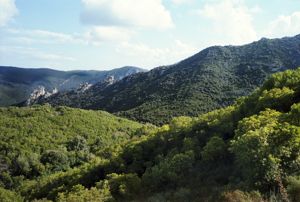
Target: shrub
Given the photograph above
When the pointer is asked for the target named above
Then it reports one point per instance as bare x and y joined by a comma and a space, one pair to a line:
293, 188
240, 196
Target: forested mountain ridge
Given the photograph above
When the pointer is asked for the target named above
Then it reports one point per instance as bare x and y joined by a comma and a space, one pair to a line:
211, 79
16, 84
249, 151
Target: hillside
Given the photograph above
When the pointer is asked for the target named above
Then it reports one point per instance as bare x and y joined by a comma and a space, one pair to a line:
16, 84
40, 140
249, 151
211, 79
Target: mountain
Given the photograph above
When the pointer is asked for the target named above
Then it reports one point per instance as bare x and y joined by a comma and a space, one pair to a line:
249, 151
16, 84
210, 79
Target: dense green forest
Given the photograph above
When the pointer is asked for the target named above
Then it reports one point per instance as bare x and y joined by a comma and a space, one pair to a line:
213, 78
249, 151
41, 140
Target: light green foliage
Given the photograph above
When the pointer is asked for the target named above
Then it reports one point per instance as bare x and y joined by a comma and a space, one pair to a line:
284, 97
289, 79
264, 148
9, 196
294, 115
80, 194
268, 118
240, 196
180, 123
41, 140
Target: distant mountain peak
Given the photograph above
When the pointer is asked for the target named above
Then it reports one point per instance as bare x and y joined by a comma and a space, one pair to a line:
17, 84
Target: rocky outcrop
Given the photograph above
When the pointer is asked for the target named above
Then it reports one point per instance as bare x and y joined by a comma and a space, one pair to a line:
39, 93
84, 87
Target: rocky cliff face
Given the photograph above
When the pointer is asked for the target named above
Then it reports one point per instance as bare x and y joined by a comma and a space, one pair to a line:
84, 87
38, 94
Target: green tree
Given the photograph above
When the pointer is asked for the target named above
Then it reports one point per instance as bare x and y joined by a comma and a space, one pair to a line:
22, 165
293, 188
266, 150
78, 143
124, 186
214, 149
81, 194
55, 160
9, 196
180, 123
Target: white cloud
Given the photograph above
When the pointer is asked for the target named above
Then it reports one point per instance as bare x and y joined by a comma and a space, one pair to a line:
21, 52
59, 37
231, 21
51, 56
284, 25
182, 50
141, 13
29, 37
152, 56
98, 34
180, 2
8, 10
95, 35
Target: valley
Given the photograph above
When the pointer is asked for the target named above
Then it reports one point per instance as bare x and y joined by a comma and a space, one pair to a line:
248, 151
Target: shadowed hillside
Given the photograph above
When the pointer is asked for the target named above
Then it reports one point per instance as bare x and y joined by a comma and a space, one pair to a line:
16, 84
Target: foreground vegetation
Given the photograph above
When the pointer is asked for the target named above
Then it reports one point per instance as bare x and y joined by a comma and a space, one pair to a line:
249, 151
41, 140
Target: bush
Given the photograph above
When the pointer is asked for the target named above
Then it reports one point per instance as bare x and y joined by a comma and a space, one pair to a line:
9, 196
55, 160
80, 194
240, 196
124, 186
214, 149
293, 188
78, 143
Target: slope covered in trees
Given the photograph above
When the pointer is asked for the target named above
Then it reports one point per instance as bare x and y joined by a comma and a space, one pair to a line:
211, 79
249, 151
40, 140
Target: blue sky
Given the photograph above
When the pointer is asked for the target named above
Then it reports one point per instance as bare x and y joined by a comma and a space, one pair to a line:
106, 34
